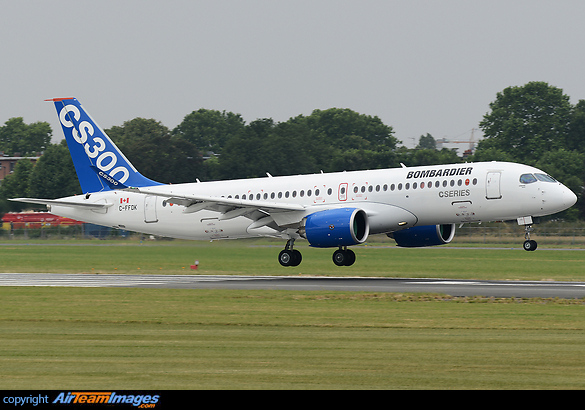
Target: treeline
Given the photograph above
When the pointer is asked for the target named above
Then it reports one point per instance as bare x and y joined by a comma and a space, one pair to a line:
534, 124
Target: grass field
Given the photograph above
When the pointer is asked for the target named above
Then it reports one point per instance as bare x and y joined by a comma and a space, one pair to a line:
259, 257
102, 338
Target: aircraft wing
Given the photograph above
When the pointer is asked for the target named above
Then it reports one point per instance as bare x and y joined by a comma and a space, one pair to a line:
204, 201
49, 202
261, 213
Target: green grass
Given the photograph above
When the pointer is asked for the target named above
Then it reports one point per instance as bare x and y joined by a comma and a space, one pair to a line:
118, 338
180, 339
260, 258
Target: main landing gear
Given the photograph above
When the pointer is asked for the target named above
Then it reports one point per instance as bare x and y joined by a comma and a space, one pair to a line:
529, 245
343, 257
291, 257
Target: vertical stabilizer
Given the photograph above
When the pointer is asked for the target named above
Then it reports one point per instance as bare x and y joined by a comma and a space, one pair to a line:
99, 164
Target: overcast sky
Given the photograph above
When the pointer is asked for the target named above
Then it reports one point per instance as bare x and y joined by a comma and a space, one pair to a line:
422, 66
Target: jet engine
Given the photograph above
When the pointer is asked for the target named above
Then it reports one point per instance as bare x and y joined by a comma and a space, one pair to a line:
336, 227
428, 235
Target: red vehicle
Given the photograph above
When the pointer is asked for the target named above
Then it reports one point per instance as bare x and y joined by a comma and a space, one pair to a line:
20, 220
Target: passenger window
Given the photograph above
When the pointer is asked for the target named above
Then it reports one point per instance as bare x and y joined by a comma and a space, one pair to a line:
385, 188
329, 191
527, 179
400, 187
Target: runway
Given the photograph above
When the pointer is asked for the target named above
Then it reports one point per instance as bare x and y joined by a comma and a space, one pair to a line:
519, 289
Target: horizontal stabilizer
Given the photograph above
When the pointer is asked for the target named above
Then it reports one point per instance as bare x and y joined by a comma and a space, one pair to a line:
58, 202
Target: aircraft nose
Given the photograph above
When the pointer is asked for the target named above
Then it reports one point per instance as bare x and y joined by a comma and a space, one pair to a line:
569, 197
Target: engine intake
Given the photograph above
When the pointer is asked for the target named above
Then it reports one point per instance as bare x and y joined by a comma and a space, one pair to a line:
336, 227
428, 235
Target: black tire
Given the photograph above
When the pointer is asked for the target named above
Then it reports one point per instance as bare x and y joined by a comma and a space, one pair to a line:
297, 258
343, 257
339, 257
350, 257
530, 245
285, 257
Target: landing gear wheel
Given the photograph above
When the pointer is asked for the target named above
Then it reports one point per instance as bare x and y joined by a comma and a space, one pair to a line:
530, 245
289, 256
285, 257
343, 257
350, 255
297, 258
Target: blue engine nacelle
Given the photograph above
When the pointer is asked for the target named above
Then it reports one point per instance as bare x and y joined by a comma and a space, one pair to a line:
429, 235
336, 227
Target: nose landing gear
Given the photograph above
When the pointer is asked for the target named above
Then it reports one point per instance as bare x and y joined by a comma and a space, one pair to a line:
529, 245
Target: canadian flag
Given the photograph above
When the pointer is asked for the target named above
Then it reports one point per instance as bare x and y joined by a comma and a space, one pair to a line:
124, 200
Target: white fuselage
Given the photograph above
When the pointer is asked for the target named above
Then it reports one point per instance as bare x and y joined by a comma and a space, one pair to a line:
393, 199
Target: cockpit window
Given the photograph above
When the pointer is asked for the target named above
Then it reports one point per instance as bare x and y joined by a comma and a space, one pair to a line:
527, 179
545, 178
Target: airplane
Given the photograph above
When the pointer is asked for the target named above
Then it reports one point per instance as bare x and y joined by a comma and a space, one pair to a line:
416, 206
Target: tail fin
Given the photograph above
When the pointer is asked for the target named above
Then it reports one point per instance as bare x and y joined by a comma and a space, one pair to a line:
99, 164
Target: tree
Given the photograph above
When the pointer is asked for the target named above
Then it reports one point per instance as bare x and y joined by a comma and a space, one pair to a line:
16, 185
527, 121
418, 157
246, 155
54, 175
491, 154
576, 135
426, 142
16, 137
337, 123
157, 155
210, 130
